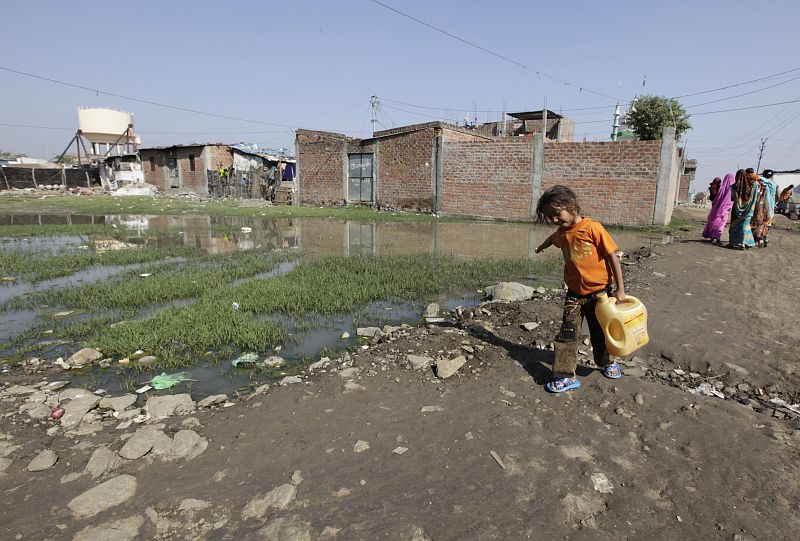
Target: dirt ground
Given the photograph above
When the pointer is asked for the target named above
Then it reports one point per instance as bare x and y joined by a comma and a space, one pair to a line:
489, 454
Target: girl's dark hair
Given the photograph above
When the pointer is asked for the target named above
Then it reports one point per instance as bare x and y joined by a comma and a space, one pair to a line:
557, 196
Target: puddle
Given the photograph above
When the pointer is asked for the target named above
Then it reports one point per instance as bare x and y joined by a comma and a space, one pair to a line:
317, 237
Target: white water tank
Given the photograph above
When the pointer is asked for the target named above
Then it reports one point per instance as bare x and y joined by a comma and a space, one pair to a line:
100, 125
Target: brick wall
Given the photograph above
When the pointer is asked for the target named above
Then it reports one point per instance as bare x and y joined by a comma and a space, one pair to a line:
322, 167
490, 179
153, 165
615, 182
405, 171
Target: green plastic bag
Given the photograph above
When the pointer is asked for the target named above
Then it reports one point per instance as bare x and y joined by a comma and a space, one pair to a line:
245, 359
165, 381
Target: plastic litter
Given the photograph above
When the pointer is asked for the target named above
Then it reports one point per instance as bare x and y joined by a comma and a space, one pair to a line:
246, 359
247, 229
143, 389
165, 381
705, 388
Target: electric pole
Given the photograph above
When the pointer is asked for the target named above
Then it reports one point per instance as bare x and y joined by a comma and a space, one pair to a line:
373, 101
761, 153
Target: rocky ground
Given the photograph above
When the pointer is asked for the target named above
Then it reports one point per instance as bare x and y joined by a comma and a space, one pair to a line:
700, 439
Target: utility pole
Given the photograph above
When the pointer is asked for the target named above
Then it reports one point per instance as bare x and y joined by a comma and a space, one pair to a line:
373, 101
761, 153
615, 125
544, 119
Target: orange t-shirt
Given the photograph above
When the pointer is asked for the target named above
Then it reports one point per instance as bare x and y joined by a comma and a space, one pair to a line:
585, 246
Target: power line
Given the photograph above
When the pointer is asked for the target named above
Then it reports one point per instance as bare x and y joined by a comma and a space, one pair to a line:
488, 51
745, 108
745, 93
736, 84
150, 132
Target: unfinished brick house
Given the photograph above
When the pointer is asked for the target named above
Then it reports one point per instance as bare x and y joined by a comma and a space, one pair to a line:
437, 167
394, 169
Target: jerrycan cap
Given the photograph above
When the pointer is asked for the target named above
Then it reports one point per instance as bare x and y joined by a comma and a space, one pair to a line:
602, 297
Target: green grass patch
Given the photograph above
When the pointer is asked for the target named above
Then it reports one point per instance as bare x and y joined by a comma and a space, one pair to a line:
52, 230
323, 286
37, 266
177, 280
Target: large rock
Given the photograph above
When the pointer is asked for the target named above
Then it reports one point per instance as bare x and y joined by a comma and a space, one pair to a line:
509, 291
287, 529
161, 407
117, 403
103, 460
44, 460
212, 400
447, 367
126, 529
432, 310
74, 410
139, 444
369, 332
187, 444
111, 493
84, 357
19, 389
277, 498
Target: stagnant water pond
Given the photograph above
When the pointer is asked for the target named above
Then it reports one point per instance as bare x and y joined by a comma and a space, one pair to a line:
224, 234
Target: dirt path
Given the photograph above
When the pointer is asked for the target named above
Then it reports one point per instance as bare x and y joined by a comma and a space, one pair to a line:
492, 456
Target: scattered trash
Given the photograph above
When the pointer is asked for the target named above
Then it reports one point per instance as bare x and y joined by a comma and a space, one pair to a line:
707, 389
8, 279
400, 450
497, 459
64, 313
143, 389
679, 371
235, 306
57, 413
146, 274
247, 358
602, 484
784, 404
434, 319
247, 229
165, 381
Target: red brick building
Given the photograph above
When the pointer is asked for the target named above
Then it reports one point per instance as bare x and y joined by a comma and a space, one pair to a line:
437, 167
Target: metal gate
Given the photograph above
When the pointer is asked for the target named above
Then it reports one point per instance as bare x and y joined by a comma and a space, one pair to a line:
359, 182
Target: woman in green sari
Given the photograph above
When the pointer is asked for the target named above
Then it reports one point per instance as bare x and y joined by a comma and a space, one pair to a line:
744, 196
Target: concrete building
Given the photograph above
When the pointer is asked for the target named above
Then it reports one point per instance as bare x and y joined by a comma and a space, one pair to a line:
525, 124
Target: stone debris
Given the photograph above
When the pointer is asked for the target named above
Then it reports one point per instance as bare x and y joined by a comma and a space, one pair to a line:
102, 461
78, 406
288, 380
509, 291
360, 446
432, 310
139, 444
277, 498
147, 360
369, 332
400, 450
530, 326
117, 403
161, 407
212, 400
349, 373
353, 386
106, 495
187, 444
287, 529
428, 409
297, 477
273, 361
447, 367
191, 504
126, 529
345, 335
83, 357
601, 483
44, 460
419, 362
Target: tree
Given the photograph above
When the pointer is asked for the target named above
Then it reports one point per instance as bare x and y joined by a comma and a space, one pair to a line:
68, 159
6, 155
649, 115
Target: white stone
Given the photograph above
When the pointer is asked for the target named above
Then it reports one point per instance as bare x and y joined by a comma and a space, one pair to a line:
117, 403
419, 362
287, 529
74, 410
187, 444
126, 529
44, 460
102, 460
161, 407
277, 498
349, 373
509, 291
212, 400
84, 356
367, 331
447, 367
360, 446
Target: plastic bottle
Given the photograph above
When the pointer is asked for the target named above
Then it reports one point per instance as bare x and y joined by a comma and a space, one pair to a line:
624, 324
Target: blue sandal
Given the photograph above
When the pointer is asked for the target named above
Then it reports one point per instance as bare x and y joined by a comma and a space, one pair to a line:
612, 371
563, 384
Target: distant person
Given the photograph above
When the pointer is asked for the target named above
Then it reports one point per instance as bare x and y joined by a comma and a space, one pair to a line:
764, 208
745, 191
720, 210
713, 188
783, 199
590, 267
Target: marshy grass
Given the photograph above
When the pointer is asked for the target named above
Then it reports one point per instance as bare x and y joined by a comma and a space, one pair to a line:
35, 266
325, 286
53, 230
167, 282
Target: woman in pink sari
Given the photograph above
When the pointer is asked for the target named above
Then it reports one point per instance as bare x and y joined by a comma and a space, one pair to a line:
720, 210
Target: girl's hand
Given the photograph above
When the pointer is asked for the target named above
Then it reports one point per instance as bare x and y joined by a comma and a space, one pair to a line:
619, 294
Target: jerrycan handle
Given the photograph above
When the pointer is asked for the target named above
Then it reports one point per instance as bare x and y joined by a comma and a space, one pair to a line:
604, 298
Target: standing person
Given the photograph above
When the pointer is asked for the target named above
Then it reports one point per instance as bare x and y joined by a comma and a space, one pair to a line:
744, 195
713, 188
590, 267
783, 199
720, 211
764, 209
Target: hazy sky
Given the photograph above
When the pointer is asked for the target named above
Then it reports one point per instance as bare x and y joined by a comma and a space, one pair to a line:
315, 64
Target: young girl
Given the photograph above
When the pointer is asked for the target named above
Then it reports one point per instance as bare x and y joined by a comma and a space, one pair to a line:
590, 263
